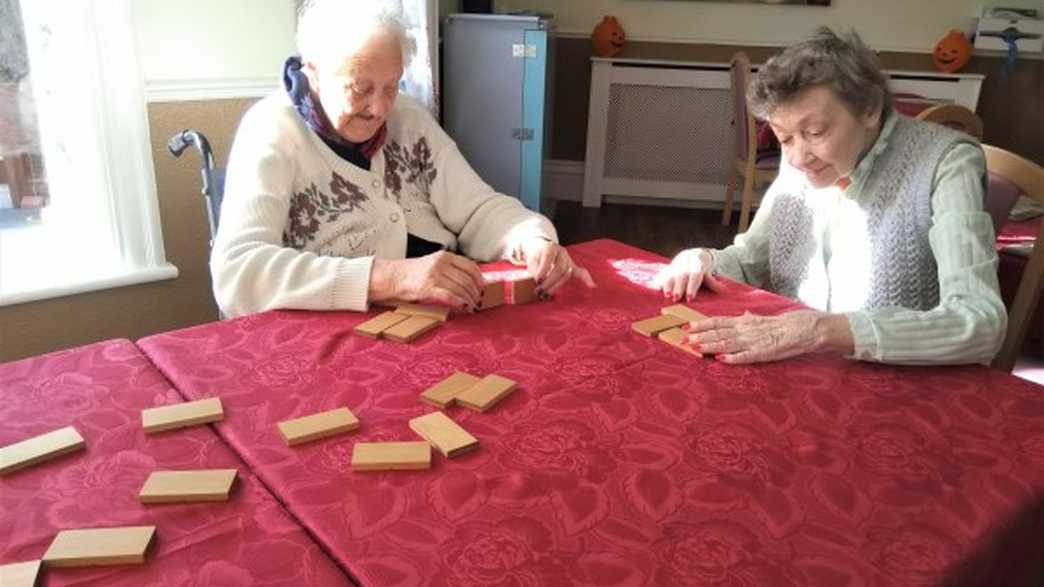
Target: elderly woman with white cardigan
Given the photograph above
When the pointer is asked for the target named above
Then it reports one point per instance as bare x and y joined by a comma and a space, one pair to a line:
875, 222
340, 192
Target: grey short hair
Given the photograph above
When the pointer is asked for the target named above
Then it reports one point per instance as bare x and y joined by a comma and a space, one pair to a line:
842, 63
337, 28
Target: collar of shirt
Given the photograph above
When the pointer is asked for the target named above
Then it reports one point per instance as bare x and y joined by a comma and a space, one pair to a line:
865, 164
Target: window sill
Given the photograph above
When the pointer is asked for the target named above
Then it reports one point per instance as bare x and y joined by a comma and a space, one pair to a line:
135, 277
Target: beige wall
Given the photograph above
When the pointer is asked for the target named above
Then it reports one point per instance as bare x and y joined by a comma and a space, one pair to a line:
903, 25
198, 40
135, 311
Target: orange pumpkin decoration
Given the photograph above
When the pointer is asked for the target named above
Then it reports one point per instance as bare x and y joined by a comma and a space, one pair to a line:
952, 52
608, 37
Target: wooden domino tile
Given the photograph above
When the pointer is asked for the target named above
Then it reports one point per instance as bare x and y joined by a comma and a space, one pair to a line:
19, 574
378, 324
318, 426
183, 415
410, 329
100, 546
652, 326
486, 393
39, 449
187, 486
440, 313
684, 312
676, 338
493, 295
523, 291
444, 434
391, 456
443, 393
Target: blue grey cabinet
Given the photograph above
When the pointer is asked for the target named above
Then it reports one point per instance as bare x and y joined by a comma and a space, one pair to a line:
497, 97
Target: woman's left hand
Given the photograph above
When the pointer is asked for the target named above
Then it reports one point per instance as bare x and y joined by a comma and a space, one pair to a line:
754, 339
551, 266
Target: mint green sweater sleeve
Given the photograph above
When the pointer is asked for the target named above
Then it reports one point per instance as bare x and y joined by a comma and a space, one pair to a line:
747, 259
969, 323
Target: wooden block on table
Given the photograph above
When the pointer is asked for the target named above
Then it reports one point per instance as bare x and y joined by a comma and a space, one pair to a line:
183, 415
440, 313
19, 574
100, 546
676, 338
378, 324
523, 291
445, 392
391, 456
410, 329
318, 426
39, 449
444, 434
187, 486
492, 295
652, 326
684, 312
486, 393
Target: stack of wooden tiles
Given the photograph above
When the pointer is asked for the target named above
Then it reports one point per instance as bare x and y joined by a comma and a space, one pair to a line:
667, 326
405, 324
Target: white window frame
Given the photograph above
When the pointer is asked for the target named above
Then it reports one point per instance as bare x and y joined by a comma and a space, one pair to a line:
101, 228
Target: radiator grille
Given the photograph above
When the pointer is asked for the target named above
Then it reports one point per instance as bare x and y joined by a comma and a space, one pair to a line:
668, 134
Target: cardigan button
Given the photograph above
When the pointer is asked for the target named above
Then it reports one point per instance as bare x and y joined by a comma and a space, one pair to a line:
376, 184
394, 217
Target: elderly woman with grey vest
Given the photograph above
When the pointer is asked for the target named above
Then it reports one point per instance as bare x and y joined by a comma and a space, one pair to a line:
875, 222
341, 192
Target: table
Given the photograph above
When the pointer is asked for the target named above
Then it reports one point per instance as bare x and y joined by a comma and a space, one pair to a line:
101, 389
622, 461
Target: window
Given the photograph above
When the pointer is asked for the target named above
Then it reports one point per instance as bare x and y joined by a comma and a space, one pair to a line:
92, 220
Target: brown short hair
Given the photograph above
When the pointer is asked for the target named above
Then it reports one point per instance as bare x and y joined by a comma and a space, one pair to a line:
842, 63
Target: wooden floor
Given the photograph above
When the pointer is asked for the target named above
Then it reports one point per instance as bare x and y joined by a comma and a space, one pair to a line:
660, 229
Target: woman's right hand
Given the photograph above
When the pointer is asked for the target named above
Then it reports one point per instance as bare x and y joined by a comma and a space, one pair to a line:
688, 270
442, 278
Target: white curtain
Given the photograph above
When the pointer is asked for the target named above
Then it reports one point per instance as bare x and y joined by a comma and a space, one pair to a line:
420, 80
101, 227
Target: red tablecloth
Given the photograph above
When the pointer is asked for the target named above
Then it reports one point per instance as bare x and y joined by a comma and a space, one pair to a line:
101, 389
621, 461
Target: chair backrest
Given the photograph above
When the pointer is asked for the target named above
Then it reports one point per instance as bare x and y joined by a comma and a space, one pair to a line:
954, 116
1028, 177
742, 120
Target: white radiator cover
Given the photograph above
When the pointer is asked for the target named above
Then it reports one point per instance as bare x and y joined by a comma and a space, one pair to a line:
662, 130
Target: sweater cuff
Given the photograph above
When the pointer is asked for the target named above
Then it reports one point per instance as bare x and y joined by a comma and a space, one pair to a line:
864, 337
351, 285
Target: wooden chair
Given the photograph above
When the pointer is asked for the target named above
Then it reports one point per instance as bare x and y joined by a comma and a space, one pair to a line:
954, 116
1029, 178
745, 164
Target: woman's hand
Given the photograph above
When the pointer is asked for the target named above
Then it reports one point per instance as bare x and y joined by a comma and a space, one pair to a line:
442, 278
551, 266
688, 270
754, 339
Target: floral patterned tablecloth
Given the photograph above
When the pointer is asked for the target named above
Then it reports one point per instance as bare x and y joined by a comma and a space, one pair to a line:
622, 461
101, 389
